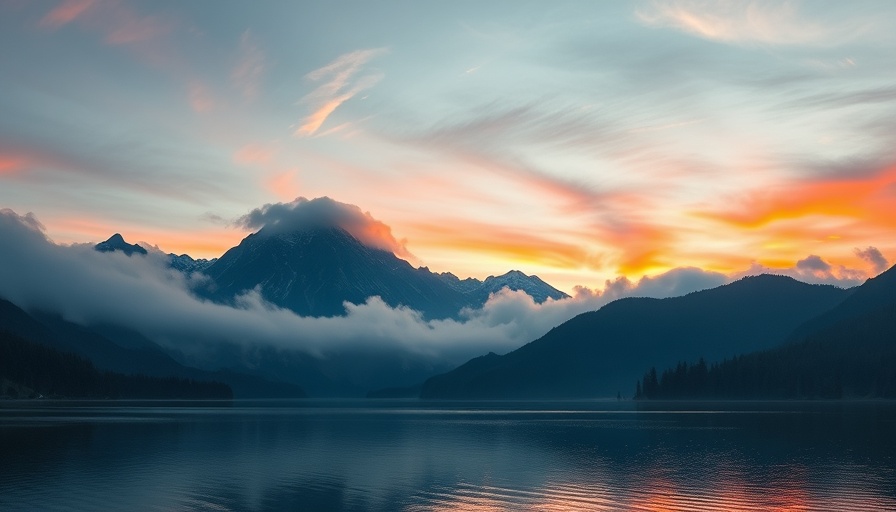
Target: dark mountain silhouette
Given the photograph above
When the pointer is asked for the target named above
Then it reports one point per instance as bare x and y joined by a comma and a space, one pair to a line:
116, 243
314, 271
33, 370
847, 352
600, 353
133, 354
263, 372
875, 293
183, 262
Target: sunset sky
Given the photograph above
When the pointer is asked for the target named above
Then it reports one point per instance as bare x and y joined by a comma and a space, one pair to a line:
579, 141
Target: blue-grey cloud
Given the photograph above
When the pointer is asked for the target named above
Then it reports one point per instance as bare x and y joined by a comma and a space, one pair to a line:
874, 257
814, 270
813, 263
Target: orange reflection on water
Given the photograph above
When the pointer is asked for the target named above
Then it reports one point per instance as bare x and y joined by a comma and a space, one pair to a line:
787, 490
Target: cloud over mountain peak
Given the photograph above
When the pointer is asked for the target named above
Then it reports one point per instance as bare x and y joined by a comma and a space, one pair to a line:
322, 212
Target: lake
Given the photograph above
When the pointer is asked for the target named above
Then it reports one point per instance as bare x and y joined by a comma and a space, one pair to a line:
464, 456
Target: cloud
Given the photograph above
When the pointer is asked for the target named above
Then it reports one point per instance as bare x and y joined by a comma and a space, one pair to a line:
140, 292
132, 28
66, 12
873, 256
863, 197
813, 263
678, 281
133, 165
814, 270
303, 213
255, 154
11, 164
251, 64
118, 22
763, 22
340, 81
497, 140
200, 97
520, 245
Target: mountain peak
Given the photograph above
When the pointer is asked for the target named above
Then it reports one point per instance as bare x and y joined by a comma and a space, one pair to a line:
116, 242
314, 270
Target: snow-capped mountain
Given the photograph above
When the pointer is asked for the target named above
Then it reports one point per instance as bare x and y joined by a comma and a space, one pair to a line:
187, 264
478, 291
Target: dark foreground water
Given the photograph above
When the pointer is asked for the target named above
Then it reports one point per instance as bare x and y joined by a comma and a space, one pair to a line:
416, 456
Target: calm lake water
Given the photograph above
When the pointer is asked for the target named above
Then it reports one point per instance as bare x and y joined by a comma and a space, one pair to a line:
418, 456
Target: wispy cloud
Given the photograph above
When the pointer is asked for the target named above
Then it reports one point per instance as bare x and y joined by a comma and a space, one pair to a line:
255, 154
251, 64
508, 244
117, 22
132, 166
867, 199
66, 12
747, 22
339, 81
876, 96
131, 27
200, 97
11, 164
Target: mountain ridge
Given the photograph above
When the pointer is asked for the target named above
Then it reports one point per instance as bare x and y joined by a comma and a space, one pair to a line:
846, 352
136, 356
598, 353
315, 270
116, 242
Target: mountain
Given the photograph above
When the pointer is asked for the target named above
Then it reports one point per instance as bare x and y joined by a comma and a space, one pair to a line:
314, 271
847, 352
187, 264
116, 243
875, 293
478, 292
601, 353
129, 353
182, 262
29, 369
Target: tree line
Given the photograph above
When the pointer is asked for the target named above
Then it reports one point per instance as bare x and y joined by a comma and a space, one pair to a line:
26, 365
852, 359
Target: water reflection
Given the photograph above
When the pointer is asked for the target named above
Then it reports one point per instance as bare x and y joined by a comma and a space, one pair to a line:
471, 457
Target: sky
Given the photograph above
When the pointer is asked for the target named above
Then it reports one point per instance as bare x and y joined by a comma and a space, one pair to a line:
585, 142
